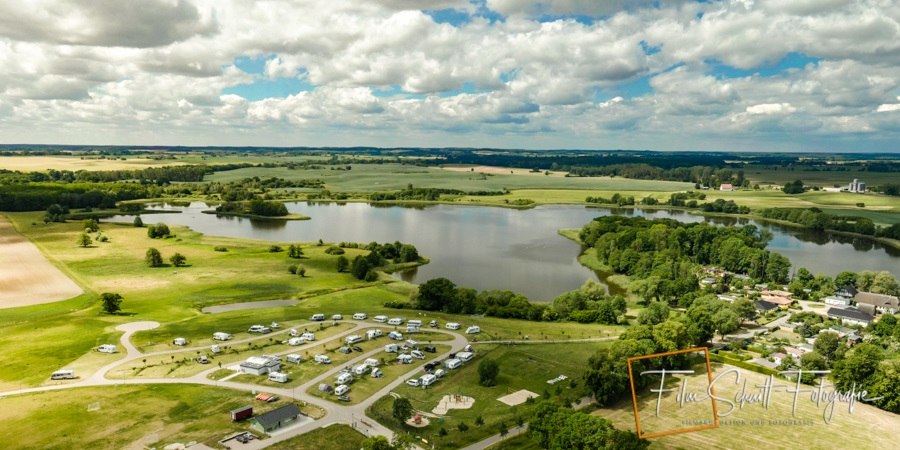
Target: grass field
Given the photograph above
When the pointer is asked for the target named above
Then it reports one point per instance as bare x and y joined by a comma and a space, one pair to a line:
123, 416
817, 178
333, 437
754, 426
521, 367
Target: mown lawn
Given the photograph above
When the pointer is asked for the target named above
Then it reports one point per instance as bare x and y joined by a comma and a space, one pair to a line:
332, 437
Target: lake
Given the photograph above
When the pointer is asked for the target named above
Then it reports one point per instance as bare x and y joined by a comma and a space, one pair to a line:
500, 248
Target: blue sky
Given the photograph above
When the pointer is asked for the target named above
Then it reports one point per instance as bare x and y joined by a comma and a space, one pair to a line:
680, 75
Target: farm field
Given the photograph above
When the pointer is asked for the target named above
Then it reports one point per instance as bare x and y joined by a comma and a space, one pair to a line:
41, 163
750, 427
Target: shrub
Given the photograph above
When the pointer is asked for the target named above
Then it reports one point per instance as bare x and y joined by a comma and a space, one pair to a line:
334, 250
220, 248
292, 268
275, 249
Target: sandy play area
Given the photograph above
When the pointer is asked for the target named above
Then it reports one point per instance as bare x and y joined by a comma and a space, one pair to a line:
517, 398
453, 402
26, 277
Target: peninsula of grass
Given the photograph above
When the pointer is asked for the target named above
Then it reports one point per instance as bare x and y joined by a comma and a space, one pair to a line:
291, 216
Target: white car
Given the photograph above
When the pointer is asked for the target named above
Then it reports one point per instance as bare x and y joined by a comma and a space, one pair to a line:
417, 354
413, 382
259, 329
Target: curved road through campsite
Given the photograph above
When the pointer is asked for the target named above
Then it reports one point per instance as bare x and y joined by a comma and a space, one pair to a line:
353, 415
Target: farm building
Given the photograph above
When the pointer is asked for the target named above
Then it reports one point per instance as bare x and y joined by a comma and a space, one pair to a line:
882, 303
850, 316
261, 365
277, 418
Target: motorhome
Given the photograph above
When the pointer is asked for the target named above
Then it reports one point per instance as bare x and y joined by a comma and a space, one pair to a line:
417, 354
294, 332
372, 362
395, 321
464, 356
107, 348
293, 358
412, 343
259, 329
377, 373
344, 378
414, 322
317, 317
337, 317
353, 338
452, 363
220, 336
427, 379
392, 348
404, 359
296, 341
342, 389
360, 316
397, 336
372, 334
179, 341
452, 326
440, 373
278, 377
322, 359
215, 349
380, 319
308, 336
361, 369
203, 359
412, 329
474, 329
433, 324
64, 374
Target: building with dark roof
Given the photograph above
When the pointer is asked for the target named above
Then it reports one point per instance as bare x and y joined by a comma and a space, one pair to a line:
764, 306
851, 316
276, 418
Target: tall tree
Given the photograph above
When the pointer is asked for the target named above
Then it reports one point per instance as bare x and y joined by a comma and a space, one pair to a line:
726, 321
402, 409
153, 258
436, 294
488, 370
826, 344
111, 302
84, 240
342, 263
178, 260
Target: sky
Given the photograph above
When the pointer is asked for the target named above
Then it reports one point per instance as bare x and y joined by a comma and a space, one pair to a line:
745, 75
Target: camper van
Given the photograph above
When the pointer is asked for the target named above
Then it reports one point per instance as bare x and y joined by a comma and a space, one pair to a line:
278, 377
215, 349
262, 329
372, 362
440, 373
361, 369
395, 321
294, 358
414, 322
203, 359
403, 358
337, 317
317, 317
353, 338
380, 319
392, 348
107, 348
372, 334
322, 359
464, 356
296, 341
220, 336
427, 379
179, 341
308, 336
360, 316
452, 363
341, 390
417, 354
65, 374
412, 329
377, 373
474, 329
397, 336
452, 326
344, 378
294, 332
433, 324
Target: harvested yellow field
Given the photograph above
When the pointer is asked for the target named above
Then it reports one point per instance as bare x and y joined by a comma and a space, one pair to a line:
41, 163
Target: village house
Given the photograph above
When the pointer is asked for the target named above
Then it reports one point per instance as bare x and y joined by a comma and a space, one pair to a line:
277, 418
778, 358
727, 187
764, 307
850, 316
847, 291
883, 303
836, 300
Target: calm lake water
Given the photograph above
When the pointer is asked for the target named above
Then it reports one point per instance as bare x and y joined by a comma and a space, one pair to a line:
499, 248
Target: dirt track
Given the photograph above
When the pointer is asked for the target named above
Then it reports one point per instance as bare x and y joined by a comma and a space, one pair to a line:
26, 277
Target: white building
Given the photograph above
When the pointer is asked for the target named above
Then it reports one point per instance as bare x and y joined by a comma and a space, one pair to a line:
261, 365
857, 186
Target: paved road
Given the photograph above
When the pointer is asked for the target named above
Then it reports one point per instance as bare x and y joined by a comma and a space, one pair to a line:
353, 415
481, 445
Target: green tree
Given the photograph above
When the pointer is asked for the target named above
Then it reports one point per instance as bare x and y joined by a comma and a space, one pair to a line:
153, 258
887, 385
462, 427
90, 225
295, 251
793, 187
292, 269
726, 321
157, 231
301, 271
479, 421
826, 344
376, 443
402, 409
178, 260
84, 240
845, 279
488, 370
436, 294
744, 309
656, 312
858, 367
138, 222
812, 361
111, 302
56, 213
342, 263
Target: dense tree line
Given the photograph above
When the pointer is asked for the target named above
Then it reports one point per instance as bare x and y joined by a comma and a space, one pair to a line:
558, 428
665, 255
816, 219
363, 267
616, 199
256, 207
427, 194
39, 196
441, 294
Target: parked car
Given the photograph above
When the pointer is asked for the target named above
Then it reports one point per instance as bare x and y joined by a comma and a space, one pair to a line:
430, 349
417, 354
356, 349
413, 382
433, 324
345, 350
